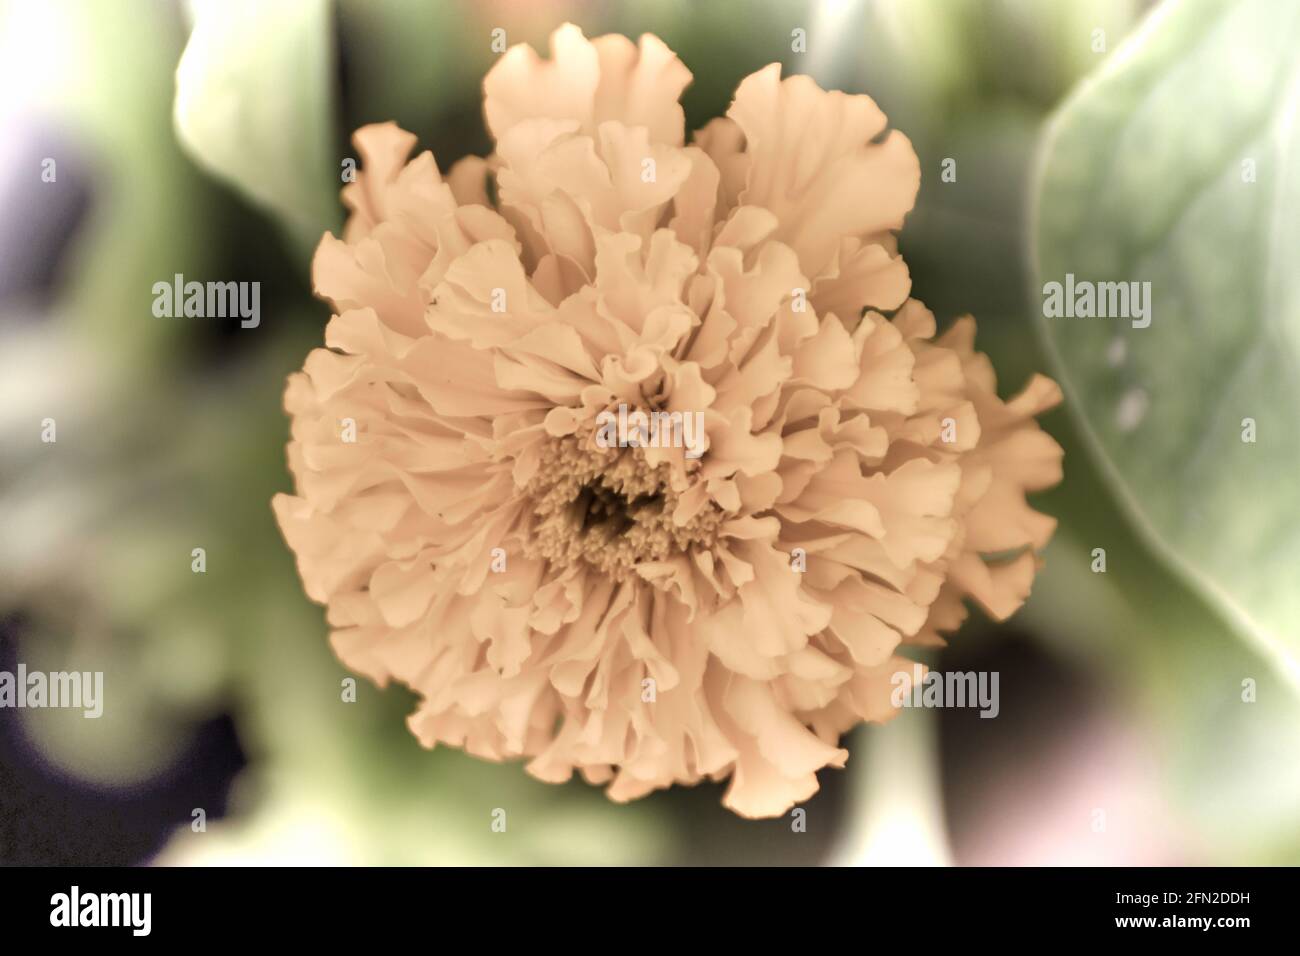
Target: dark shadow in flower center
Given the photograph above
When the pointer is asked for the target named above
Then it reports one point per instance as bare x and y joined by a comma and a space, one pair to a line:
598, 505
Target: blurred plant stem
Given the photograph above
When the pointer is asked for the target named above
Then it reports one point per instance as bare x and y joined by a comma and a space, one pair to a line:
897, 809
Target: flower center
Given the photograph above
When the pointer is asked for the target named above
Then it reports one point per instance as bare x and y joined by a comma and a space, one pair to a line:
609, 508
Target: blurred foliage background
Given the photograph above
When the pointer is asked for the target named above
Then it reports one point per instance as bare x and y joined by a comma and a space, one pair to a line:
205, 138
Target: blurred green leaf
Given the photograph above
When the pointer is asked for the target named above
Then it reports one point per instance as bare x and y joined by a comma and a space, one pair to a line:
1144, 177
255, 106
957, 53
106, 90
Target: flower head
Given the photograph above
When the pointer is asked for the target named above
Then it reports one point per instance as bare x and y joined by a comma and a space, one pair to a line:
650, 611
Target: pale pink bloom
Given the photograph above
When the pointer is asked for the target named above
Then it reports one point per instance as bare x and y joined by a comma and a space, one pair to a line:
641, 616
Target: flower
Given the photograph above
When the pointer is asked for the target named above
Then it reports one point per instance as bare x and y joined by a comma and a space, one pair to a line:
647, 613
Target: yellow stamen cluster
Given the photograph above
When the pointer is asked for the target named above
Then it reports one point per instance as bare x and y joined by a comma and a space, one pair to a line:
610, 508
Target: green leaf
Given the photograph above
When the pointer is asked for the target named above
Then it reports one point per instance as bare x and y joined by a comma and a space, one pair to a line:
1144, 176
254, 106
